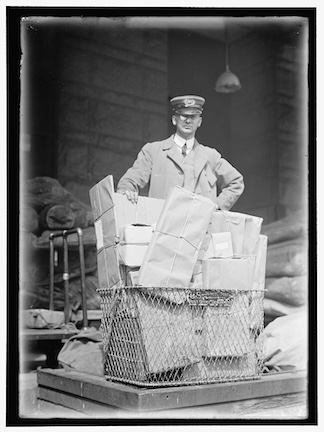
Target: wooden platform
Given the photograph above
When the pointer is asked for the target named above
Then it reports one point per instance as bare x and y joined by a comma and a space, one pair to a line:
47, 334
90, 394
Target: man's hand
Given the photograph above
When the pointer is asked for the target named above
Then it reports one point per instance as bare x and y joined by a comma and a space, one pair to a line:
131, 196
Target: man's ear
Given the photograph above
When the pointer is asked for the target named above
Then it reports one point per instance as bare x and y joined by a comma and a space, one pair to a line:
199, 122
173, 120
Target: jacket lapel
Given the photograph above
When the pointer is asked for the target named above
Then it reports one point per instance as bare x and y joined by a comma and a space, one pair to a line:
172, 152
201, 158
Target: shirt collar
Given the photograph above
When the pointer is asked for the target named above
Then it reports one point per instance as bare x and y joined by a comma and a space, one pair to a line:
181, 141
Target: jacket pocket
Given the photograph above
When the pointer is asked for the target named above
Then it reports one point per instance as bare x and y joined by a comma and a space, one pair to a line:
210, 177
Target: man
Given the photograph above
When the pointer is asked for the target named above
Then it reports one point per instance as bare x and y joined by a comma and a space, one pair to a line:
181, 160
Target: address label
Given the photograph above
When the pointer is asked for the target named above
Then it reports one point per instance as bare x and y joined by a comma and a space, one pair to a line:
99, 234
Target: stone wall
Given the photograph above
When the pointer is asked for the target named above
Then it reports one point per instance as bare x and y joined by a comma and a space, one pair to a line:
253, 126
269, 125
111, 98
292, 127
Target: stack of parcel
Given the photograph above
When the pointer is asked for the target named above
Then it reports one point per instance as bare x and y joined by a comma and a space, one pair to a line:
181, 288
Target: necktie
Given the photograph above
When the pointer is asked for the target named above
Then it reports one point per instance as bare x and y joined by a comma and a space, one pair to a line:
184, 150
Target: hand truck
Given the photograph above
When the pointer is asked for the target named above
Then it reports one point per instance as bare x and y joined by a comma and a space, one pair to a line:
66, 276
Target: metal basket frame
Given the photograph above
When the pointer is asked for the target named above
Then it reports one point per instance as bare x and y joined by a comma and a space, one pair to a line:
162, 336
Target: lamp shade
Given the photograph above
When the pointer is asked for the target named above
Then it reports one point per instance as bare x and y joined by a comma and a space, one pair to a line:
227, 82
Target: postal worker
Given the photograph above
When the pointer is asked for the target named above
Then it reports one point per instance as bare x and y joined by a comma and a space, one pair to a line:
181, 160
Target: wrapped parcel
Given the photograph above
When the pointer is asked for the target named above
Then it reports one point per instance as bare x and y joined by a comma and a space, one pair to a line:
173, 251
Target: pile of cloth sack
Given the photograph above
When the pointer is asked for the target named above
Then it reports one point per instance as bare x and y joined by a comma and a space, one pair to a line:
286, 296
45, 207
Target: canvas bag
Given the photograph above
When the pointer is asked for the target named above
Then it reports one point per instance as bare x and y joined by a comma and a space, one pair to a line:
42, 318
83, 352
285, 341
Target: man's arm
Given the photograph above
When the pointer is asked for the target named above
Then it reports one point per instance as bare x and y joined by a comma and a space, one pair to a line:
230, 184
138, 175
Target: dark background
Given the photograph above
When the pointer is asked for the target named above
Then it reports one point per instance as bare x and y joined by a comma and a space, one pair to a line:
94, 89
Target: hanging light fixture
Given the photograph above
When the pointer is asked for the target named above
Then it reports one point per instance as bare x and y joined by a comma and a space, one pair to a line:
227, 82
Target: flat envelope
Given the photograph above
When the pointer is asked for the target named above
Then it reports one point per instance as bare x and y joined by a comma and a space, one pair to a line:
102, 197
108, 269
260, 262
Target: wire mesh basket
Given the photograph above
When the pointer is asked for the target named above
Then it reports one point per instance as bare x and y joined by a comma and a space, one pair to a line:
181, 336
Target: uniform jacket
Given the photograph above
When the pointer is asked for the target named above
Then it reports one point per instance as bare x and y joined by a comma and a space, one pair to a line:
158, 164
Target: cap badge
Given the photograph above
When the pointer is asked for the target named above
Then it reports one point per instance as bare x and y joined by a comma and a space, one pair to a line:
189, 102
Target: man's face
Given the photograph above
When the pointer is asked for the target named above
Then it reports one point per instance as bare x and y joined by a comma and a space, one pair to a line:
187, 123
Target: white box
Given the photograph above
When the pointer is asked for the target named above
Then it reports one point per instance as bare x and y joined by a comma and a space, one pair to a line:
228, 273
136, 233
134, 240
132, 255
